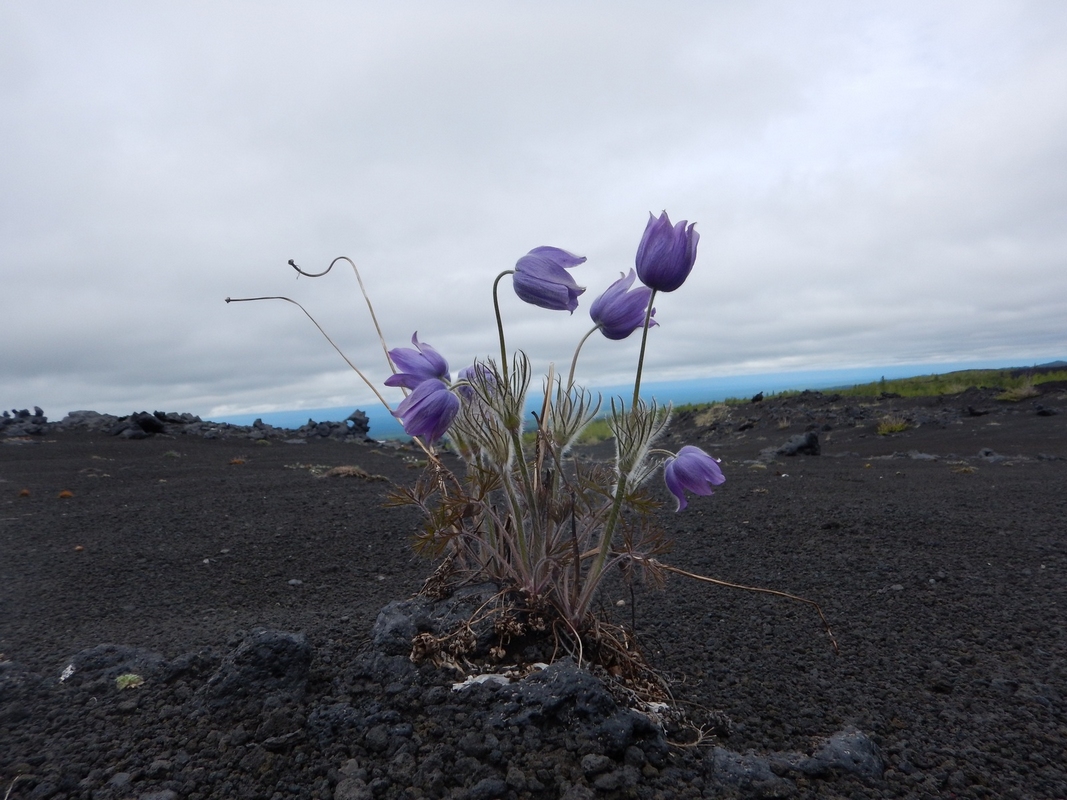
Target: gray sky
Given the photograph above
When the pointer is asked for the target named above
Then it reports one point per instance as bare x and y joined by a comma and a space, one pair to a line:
874, 183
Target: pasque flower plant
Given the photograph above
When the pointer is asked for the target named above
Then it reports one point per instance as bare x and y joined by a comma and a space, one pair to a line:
523, 514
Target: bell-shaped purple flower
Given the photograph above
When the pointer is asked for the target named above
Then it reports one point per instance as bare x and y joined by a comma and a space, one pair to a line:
621, 310
691, 470
666, 254
467, 375
541, 279
417, 366
428, 411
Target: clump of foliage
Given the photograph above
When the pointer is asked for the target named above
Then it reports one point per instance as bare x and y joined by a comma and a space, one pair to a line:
1023, 391
891, 423
129, 680
523, 514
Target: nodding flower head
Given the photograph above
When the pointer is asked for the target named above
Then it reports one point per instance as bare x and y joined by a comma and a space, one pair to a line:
417, 365
428, 411
666, 254
621, 310
476, 375
691, 470
541, 279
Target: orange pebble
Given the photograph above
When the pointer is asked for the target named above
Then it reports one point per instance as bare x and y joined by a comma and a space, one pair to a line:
24, 493
78, 548
236, 461
66, 494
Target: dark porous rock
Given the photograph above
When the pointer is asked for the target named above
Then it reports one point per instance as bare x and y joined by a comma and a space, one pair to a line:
87, 420
991, 455
265, 663
360, 423
849, 752
18, 687
748, 773
338, 722
806, 443
400, 621
573, 698
22, 423
199, 664
105, 662
148, 423
143, 425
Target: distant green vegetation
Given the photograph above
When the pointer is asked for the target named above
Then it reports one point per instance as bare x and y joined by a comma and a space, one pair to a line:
597, 431
1015, 384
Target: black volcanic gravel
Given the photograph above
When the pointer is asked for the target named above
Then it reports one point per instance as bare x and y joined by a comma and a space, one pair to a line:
243, 588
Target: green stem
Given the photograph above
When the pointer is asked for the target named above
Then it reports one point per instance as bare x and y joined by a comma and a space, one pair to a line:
644, 339
500, 322
574, 361
516, 514
592, 577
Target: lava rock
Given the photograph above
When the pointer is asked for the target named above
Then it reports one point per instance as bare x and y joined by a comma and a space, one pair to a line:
400, 621
265, 663
806, 443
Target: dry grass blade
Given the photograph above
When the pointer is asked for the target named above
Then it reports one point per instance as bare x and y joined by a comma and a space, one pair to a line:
11, 785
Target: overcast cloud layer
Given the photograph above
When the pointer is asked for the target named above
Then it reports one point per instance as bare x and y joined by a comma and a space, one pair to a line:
873, 183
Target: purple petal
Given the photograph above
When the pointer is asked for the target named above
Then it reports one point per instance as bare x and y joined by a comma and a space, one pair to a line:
694, 471
541, 279
666, 254
416, 366
428, 410
619, 311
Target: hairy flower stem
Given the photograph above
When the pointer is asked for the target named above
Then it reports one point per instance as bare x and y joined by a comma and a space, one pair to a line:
517, 515
644, 339
500, 322
592, 578
577, 350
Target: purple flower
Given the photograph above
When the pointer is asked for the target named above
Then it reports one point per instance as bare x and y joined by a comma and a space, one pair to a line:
428, 410
621, 310
475, 372
417, 366
691, 470
666, 254
541, 279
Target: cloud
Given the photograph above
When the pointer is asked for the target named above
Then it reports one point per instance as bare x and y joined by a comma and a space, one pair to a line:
872, 186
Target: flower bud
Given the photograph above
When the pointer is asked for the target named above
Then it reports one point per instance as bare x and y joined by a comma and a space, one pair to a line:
666, 254
621, 310
541, 279
691, 470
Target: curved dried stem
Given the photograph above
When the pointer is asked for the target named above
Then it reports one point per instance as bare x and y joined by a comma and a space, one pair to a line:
363, 290
427, 449
11, 785
340, 352
759, 589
